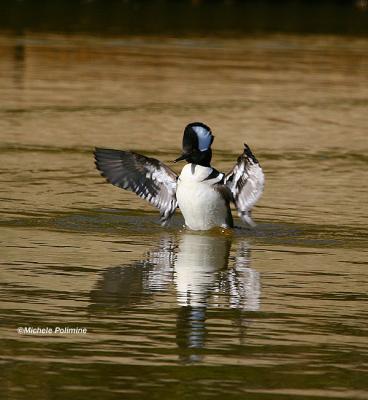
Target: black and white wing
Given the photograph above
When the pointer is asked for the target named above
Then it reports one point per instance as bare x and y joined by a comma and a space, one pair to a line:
149, 178
246, 182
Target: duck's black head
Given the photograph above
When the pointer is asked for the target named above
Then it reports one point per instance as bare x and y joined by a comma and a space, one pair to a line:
197, 140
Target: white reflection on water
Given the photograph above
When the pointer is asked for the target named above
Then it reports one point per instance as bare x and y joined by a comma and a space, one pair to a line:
202, 268
195, 271
204, 273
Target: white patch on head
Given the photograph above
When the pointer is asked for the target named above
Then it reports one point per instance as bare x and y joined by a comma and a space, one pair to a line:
204, 137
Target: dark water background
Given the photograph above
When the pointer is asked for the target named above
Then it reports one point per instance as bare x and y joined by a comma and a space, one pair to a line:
185, 17
275, 313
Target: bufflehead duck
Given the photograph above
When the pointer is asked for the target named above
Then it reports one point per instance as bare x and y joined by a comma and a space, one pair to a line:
202, 193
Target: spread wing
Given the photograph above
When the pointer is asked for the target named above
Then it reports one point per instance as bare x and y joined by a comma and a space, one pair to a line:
149, 178
246, 182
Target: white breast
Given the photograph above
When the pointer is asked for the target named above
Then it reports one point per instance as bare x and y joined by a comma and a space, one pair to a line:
201, 205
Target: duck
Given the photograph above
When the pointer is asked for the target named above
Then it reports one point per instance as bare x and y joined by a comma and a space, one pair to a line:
203, 194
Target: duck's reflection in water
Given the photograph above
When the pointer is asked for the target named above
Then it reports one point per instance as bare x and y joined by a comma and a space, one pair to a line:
206, 275
201, 271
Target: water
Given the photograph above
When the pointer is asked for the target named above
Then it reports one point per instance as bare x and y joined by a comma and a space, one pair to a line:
278, 312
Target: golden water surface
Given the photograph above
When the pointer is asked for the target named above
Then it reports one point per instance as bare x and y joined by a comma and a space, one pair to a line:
277, 312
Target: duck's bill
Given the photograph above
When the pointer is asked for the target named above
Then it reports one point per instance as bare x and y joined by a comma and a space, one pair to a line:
182, 157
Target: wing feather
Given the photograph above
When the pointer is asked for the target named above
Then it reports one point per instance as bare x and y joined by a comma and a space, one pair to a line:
149, 178
246, 182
